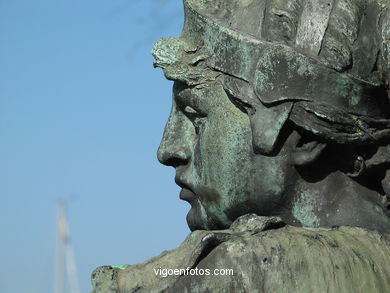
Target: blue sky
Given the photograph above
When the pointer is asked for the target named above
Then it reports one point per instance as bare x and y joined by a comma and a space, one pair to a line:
81, 115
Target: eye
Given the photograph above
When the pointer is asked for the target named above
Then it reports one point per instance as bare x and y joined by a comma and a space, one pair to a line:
191, 111
195, 116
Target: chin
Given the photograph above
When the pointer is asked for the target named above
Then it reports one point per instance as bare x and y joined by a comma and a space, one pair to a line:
195, 221
198, 219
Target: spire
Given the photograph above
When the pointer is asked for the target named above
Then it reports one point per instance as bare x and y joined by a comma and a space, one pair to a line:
65, 255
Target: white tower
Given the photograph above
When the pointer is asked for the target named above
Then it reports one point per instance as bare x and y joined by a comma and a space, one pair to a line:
65, 256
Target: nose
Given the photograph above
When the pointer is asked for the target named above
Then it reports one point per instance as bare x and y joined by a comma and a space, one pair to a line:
173, 158
176, 145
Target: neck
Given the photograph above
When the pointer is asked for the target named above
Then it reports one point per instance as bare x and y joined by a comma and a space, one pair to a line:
336, 200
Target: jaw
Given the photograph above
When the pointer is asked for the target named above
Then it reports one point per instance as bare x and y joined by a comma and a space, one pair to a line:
198, 218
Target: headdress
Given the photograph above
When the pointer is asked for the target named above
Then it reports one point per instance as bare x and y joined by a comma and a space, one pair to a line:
306, 60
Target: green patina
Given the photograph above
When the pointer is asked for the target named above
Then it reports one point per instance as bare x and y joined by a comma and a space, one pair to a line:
121, 267
304, 210
253, 118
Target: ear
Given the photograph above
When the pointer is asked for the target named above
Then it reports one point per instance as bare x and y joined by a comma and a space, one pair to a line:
306, 153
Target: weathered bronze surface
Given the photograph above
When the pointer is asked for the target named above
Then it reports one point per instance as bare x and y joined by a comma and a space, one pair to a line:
280, 137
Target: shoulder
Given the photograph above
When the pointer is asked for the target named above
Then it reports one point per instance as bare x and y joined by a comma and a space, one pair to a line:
257, 254
294, 259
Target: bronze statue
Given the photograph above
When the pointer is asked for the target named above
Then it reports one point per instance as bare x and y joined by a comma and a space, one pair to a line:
279, 134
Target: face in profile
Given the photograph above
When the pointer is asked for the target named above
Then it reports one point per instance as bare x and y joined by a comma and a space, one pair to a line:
208, 141
310, 144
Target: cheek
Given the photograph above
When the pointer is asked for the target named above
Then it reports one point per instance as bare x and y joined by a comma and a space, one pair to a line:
225, 149
270, 183
273, 176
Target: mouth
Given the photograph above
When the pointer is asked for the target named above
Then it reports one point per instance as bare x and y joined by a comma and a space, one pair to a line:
186, 193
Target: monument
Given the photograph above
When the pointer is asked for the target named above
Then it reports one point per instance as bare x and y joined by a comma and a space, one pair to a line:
280, 137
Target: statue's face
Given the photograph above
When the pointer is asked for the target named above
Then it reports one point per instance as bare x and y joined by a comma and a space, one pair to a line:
208, 141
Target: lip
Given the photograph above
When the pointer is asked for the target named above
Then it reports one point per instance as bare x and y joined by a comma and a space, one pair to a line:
186, 193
